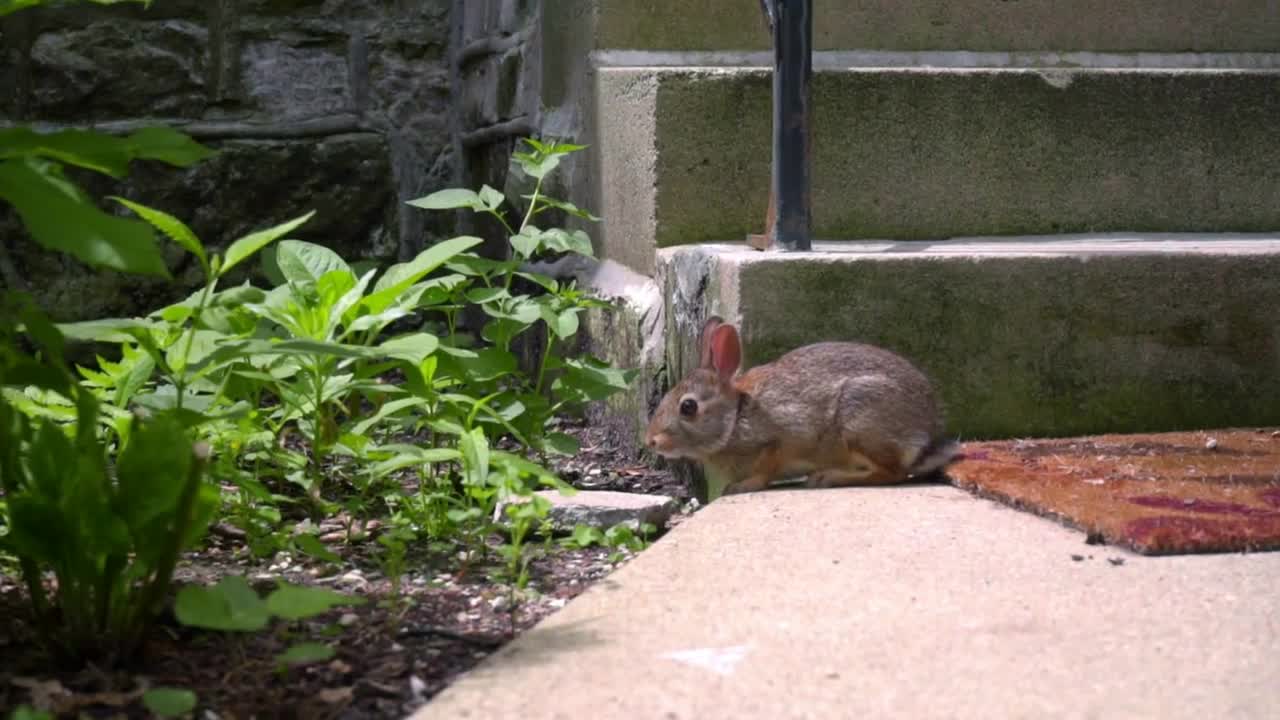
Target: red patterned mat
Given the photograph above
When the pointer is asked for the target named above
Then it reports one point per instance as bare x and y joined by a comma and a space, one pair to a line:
1168, 493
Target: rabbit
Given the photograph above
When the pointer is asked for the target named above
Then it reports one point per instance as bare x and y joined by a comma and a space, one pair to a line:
843, 413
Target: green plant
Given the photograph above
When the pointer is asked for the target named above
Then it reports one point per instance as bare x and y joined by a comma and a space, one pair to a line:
169, 702
109, 532
623, 536
8, 6
22, 712
232, 606
111, 539
245, 369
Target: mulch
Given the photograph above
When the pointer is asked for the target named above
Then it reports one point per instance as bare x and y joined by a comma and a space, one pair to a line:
393, 653
1156, 494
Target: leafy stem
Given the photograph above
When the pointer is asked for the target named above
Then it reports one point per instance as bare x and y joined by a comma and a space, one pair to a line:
153, 594
533, 203
189, 334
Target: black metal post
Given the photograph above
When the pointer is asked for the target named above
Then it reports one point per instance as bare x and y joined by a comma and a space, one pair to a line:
792, 78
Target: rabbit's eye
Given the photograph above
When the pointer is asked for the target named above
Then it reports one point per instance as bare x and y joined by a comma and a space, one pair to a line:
688, 407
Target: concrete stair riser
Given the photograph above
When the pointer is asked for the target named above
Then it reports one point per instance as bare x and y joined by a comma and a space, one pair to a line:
1102, 25
1019, 345
938, 153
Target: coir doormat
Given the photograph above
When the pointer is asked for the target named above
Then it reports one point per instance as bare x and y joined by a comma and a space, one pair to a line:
1168, 493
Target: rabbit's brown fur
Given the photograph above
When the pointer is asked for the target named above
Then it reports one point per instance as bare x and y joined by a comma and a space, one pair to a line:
843, 413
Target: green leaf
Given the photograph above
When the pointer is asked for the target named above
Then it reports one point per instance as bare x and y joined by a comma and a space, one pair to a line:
399, 277
384, 412
564, 324
269, 267
246, 246
84, 148
37, 527
414, 348
525, 244
318, 347
576, 241
537, 166
23, 712
491, 198
165, 144
521, 466
449, 199
407, 456
311, 545
591, 380
489, 363
483, 295
460, 516
8, 6
376, 322
152, 472
475, 456
342, 308
229, 605
302, 262
586, 535
110, 330
559, 148
561, 443
60, 218
524, 311
568, 207
170, 226
305, 654
293, 602
203, 344
169, 702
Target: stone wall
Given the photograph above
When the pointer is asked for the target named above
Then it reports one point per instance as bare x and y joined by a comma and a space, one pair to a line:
496, 88
339, 106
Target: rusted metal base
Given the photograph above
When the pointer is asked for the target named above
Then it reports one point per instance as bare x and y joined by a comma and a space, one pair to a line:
1168, 493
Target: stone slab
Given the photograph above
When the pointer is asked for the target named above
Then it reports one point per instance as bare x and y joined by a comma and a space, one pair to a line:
1024, 337
933, 153
918, 602
602, 509
1136, 25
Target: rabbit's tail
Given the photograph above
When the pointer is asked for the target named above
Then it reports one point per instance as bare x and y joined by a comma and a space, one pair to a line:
935, 457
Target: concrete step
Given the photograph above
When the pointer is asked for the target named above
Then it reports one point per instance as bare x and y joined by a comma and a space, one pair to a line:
911, 602
927, 153
1037, 336
1136, 25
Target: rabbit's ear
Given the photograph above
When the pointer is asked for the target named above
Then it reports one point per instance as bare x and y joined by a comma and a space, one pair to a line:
726, 351
704, 340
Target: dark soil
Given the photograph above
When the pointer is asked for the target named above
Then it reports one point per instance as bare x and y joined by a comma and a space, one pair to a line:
393, 653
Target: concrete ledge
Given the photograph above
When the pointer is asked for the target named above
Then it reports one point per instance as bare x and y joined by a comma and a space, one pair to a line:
1135, 25
908, 602
918, 154
1024, 337
1037, 60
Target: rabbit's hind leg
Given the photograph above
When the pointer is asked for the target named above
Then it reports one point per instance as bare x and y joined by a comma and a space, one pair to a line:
861, 465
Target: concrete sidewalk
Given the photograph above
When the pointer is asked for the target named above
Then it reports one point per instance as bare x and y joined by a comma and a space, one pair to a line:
919, 602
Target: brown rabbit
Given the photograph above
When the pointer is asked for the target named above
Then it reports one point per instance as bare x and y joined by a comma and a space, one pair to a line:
844, 413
